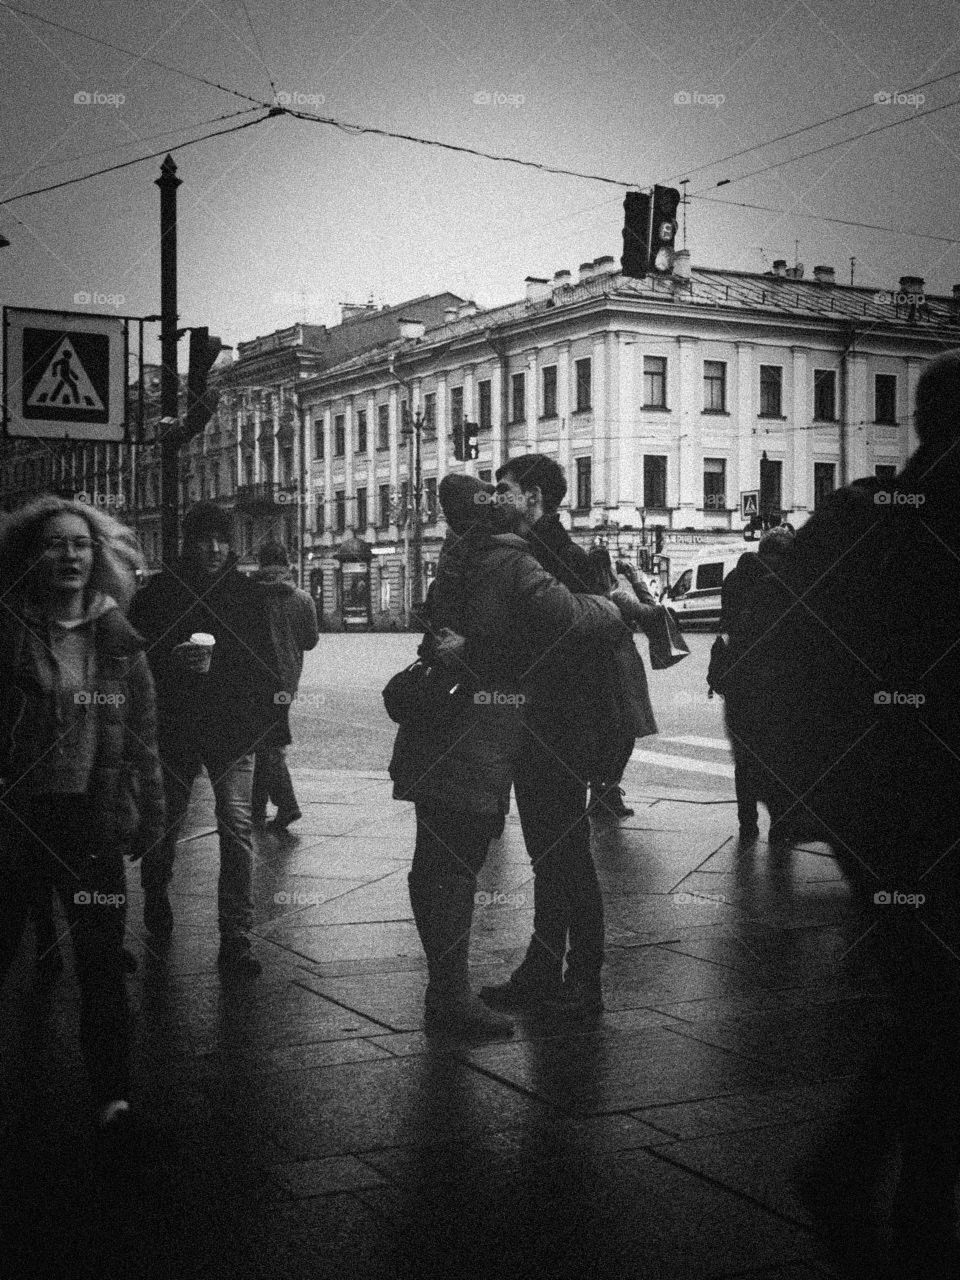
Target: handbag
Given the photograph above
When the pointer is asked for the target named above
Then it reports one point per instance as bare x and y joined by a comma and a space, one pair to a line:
667, 645
421, 694
717, 668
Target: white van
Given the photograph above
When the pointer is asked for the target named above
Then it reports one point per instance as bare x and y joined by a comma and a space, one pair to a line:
695, 596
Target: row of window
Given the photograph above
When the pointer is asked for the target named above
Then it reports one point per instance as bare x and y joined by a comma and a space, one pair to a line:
654, 397
654, 491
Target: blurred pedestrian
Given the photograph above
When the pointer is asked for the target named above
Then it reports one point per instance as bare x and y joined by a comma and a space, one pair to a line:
863, 680
292, 618
215, 707
82, 782
744, 706
457, 765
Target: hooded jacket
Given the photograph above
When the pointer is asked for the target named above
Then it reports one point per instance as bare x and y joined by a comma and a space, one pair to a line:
231, 708
292, 620
111, 726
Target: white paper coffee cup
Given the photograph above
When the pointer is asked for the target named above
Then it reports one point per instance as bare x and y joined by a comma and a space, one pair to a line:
205, 641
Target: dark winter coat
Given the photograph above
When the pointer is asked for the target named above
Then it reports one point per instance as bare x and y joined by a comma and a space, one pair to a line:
230, 709
859, 666
126, 786
517, 613
292, 619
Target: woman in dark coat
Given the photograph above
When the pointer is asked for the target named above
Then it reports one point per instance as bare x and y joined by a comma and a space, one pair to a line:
458, 768
81, 779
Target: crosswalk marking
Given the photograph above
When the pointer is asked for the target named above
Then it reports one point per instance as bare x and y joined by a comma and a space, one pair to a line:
691, 740
666, 761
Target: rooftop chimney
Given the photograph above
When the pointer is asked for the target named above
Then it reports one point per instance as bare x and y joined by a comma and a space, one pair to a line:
449, 315
795, 273
468, 309
412, 328
585, 271
560, 278
350, 311
538, 289
780, 267
604, 265
911, 284
824, 275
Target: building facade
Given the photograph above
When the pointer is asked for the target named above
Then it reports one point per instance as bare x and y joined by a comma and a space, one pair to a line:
664, 400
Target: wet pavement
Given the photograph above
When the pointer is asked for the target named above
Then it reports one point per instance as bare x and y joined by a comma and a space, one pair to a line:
311, 1129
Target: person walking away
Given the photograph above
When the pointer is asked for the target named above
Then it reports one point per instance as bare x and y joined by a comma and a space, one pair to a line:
457, 767
743, 709
213, 713
81, 777
292, 619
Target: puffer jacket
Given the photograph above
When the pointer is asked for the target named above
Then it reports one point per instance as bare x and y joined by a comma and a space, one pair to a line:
518, 613
126, 784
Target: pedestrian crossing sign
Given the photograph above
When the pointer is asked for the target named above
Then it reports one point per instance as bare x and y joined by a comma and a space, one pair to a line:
64, 375
750, 503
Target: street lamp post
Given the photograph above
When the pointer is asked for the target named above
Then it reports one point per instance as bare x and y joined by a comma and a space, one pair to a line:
412, 429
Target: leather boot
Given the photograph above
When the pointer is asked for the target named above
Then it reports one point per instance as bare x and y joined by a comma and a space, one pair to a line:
443, 914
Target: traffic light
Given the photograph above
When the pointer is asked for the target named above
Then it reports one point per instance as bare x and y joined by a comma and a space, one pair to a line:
471, 440
636, 234
663, 229
458, 441
201, 400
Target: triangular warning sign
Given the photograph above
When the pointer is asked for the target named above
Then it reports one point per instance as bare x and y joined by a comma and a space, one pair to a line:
751, 504
65, 383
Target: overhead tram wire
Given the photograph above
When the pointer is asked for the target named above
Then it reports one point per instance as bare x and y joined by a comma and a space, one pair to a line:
823, 217
807, 128
154, 155
132, 53
830, 146
263, 56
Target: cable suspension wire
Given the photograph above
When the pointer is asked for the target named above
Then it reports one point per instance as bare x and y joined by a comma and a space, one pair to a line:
823, 217
807, 128
126, 164
832, 146
263, 56
132, 53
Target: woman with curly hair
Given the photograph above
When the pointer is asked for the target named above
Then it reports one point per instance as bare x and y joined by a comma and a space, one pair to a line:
81, 781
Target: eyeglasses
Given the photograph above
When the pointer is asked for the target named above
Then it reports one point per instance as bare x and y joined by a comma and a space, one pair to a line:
53, 546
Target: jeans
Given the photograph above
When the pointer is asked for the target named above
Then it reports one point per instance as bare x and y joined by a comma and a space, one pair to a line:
49, 847
552, 804
271, 781
232, 782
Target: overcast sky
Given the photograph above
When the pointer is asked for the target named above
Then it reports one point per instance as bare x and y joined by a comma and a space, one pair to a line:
285, 220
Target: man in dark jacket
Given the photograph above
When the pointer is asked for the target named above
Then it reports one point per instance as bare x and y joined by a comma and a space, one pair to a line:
558, 756
863, 683
213, 718
292, 618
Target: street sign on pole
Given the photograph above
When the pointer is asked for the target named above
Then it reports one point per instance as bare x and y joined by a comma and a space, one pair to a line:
64, 375
750, 503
